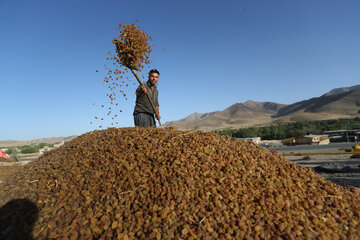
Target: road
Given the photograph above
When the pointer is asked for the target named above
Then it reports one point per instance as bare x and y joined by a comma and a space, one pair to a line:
332, 147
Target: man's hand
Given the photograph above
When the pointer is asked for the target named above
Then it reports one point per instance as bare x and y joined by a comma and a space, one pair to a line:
157, 115
140, 90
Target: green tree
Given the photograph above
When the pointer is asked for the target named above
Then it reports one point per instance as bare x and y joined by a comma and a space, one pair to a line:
29, 149
14, 156
296, 129
9, 151
41, 145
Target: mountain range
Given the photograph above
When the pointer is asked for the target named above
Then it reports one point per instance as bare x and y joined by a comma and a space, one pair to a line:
338, 103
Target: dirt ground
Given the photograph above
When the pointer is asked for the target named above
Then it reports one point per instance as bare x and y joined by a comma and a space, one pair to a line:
340, 169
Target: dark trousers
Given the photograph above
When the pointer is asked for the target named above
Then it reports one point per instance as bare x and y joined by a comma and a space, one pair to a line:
144, 120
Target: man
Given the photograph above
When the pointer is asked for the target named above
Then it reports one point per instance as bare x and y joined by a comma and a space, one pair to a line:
144, 112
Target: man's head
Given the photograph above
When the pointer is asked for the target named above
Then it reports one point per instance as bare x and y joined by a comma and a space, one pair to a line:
153, 76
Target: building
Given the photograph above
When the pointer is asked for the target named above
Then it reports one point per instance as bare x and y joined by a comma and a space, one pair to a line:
44, 149
289, 141
56, 145
313, 139
307, 139
344, 135
256, 140
47, 148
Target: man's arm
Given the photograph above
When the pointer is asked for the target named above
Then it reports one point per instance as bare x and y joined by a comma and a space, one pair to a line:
140, 90
158, 117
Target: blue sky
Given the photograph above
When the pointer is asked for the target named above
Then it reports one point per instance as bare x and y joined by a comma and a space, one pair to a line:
216, 53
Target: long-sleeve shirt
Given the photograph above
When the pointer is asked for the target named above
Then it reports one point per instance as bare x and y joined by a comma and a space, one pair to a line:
142, 103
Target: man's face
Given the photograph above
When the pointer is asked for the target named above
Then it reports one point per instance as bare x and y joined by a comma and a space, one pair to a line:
153, 78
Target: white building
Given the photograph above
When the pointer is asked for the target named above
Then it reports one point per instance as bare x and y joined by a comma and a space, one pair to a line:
256, 140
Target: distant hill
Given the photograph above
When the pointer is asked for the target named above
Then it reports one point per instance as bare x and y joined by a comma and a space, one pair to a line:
338, 103
344, 89
196, 116
328, 106
237, 115
13, 143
